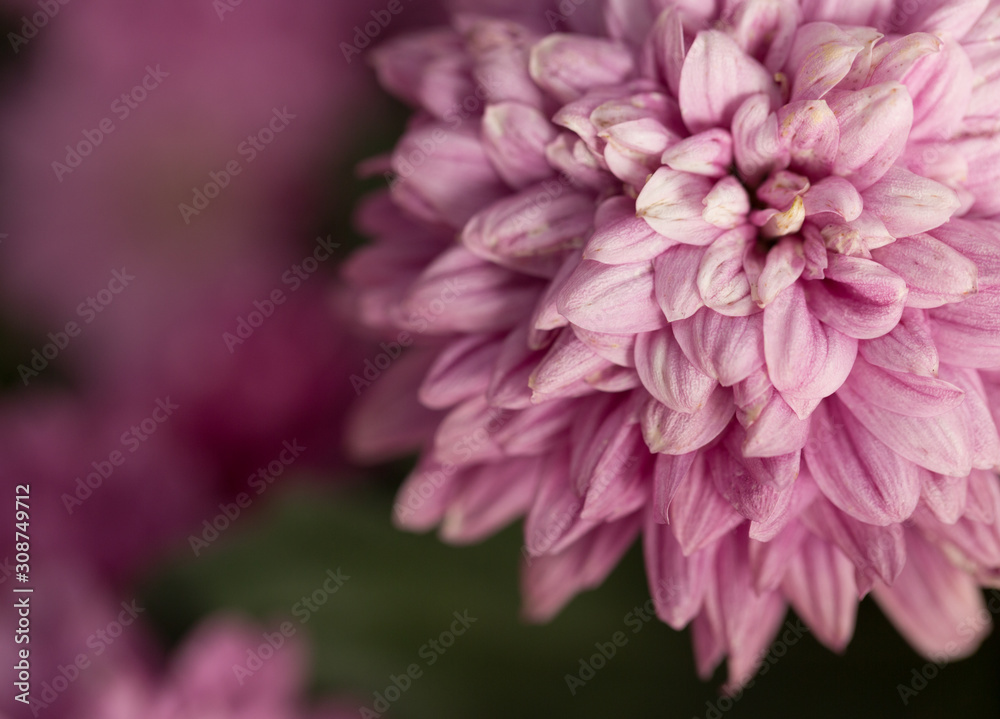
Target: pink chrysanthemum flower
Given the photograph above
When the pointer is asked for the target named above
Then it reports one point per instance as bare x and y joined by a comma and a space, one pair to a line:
721, 274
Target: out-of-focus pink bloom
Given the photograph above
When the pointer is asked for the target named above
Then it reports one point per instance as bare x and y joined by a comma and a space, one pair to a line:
203, 681
81, 633
239, 112
116, 485
727, 278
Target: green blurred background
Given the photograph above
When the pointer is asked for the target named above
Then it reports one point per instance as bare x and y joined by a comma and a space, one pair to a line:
403, 589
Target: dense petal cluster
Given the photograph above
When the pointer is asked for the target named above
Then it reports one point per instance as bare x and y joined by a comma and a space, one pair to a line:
725, 275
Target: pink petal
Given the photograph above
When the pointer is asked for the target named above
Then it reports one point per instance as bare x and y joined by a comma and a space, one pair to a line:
765, 30
909, 204
666, 430
976, 410
955, 17
716, 78
553, 521
909, 347
820, 586
488, 498
618, 484
618, 349
515, 137
511, 370
634, 148
847, 12
860, 474
859, 297
976, 240
727, 205
462, 370
676, 275
805, 358
944, 496
709, 153
567, 362
460, 292
900, 55
784, 265
942, 443
621, 237
776, 432
666, 46
672, 203
677, 582
983, 156
425, 495
878, 553
546, 315
810, 131
722, 281
804, 493
822, 55
834, 195
670, 470
769, 560
453, 182
389, 421
699, 515
750, 620
936, 274
468, 433
725, 348
548, 583
757, 145
526, 433
669, 375
935, 605
757, 501
569, 65
941, 87
968, 334
874, 125
531, 231
611, 298
909, 394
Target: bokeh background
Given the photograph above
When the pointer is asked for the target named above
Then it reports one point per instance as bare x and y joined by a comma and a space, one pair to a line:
185, 365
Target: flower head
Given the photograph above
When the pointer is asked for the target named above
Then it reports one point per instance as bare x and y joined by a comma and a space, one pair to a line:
725, 276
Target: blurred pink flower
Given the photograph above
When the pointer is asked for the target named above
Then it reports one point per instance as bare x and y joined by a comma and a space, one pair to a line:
247, 105
201, 682
113, 485
726, 277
